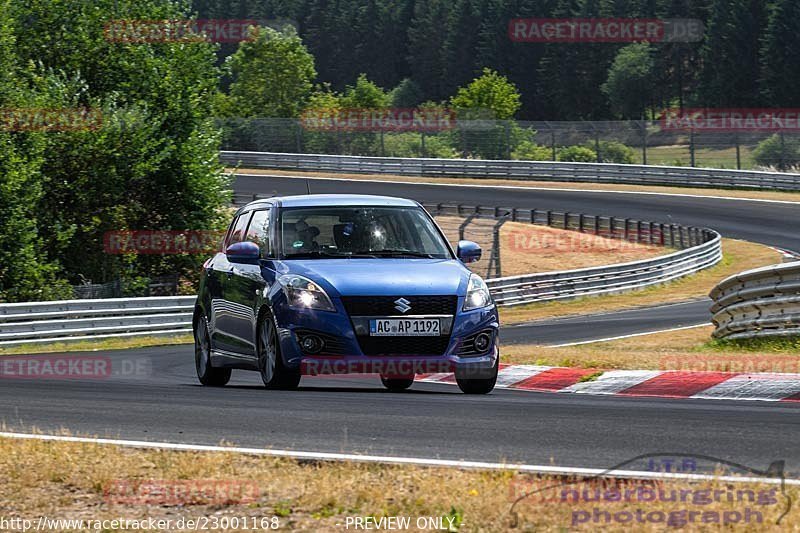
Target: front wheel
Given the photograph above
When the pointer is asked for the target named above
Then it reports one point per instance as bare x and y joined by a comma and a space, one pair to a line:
270, 364
479, 386
207, 374
397, 384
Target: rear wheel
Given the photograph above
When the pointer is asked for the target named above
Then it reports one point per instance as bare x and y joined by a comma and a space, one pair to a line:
397, 384
479, 386
273, 372
207, 374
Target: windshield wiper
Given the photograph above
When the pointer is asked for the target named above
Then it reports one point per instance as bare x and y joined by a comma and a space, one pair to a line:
400, 253
319, 254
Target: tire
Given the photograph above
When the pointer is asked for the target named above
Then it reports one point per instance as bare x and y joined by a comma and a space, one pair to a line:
397, 384
270, 363
479, 386
207, 374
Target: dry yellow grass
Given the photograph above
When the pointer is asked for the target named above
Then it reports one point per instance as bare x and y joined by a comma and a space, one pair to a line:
85, 481
738, 256
725, 193
689, 349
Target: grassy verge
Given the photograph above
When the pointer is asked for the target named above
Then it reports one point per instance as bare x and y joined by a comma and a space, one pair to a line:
85, 481
690, 349
98, 345
738, 256
725, 193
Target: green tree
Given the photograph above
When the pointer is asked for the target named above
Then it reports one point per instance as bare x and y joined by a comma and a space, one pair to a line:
365, 94
153, 162
781, 55
629, 86
491, 91
25, 271
426, 38
273, 75
730, 54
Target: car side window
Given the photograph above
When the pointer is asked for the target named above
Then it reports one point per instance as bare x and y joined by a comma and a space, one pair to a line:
237, 234
258, 231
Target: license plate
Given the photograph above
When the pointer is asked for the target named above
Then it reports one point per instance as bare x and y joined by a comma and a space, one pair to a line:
404, 327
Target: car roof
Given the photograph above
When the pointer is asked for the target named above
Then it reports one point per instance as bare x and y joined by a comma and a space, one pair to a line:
334, 200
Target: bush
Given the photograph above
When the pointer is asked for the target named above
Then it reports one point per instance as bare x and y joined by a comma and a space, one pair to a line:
529, 151
771, 152
577, 154
616, 152
410, 145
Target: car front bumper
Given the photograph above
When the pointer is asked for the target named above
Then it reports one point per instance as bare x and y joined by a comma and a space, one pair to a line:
349, 358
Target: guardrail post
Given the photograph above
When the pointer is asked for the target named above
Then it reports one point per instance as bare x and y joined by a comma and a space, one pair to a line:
691, 146
644, 142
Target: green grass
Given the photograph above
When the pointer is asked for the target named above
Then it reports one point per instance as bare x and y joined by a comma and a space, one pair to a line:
789, 345
679, 155
98, 345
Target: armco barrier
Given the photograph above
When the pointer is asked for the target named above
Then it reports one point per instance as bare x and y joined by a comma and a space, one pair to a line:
698, 248
519, 170
763, 302
71, 320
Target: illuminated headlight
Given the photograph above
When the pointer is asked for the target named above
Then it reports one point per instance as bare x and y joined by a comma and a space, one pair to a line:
477, 294
302, 293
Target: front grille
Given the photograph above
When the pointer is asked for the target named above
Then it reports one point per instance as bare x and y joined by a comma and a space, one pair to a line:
404, 345
385, 306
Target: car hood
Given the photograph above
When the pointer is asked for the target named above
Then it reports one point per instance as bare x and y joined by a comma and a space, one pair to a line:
383, 277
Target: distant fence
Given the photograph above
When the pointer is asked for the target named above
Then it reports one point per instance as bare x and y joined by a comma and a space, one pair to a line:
161, 286
647, 142
759, 303
519, 170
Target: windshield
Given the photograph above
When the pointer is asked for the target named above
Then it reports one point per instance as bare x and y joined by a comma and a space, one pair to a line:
385, 232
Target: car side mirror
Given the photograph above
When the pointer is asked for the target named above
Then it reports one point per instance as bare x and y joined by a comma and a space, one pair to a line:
243, 252
468, 252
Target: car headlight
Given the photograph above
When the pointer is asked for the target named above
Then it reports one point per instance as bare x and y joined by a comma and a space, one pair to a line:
302, 293
477, 294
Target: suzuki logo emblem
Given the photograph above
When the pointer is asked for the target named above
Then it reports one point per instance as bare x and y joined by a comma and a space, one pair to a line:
402, 305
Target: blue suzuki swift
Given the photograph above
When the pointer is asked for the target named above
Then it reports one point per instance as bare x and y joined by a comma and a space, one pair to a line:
337, 284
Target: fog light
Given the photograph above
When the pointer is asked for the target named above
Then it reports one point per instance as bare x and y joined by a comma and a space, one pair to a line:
312, 344
482, 341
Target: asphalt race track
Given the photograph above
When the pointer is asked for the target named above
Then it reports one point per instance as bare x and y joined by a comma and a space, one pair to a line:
162, 401
608, 325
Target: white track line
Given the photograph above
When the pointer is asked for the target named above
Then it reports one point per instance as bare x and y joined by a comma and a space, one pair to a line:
568, 344
320, 456
523, 187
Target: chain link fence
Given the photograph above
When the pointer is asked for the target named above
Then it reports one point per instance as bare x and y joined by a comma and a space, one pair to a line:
633, 142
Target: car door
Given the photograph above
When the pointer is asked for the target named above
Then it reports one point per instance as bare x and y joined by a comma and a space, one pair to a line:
223, 311
244, 287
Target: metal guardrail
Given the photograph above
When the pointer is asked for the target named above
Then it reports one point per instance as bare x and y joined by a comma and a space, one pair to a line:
519, 170
763, 302
75, 320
